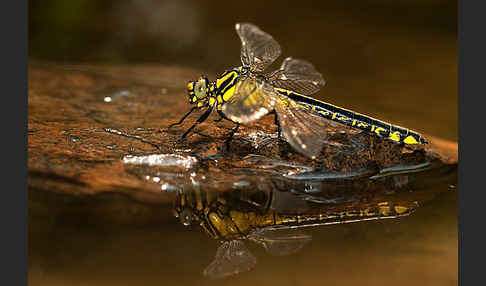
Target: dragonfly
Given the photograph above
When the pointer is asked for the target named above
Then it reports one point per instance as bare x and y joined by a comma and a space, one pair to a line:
245, 94
271, 219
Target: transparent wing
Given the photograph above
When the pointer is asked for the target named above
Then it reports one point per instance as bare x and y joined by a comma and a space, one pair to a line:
301, 127
250, 101
232, 257
281, 242
258, 49
288, 202
297, 75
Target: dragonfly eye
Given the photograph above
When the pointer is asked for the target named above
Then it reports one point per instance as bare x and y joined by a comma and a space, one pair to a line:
186, 217
200, 88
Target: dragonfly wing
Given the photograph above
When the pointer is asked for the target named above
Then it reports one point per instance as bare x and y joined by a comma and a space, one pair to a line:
297, 75
258, 49
232, 257
301, 127
250, 101
288, 202
281, 242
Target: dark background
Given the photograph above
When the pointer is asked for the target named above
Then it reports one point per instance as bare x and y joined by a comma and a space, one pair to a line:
395, 60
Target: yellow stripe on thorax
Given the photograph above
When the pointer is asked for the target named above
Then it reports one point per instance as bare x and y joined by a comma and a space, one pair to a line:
223, 224
229, 93
225, 77
222, 84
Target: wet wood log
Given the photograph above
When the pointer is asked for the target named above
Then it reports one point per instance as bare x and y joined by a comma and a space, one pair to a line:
94, 130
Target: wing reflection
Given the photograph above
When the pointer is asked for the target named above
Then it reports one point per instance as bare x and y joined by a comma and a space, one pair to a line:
232, 257
281, 242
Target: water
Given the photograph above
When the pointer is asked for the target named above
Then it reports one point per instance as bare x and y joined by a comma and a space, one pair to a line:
66, 248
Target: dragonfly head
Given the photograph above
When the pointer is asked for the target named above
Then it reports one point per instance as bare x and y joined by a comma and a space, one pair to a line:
190, 208
186, 216
184, 212
184, 209
198, 91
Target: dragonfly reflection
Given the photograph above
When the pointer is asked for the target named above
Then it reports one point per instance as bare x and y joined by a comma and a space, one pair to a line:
274, 219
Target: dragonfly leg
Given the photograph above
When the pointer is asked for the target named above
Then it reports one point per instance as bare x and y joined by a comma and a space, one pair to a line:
200, 120
218, 120
183, 117
233, 131
222, 116
279, 129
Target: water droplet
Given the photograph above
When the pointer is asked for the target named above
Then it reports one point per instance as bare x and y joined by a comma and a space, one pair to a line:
75, 139
241, 184
107, 99
111, 147
182, 150
168, 187
123, 93
161, 160
312, 187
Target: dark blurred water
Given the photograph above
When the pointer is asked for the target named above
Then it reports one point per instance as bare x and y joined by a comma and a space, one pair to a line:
420, 249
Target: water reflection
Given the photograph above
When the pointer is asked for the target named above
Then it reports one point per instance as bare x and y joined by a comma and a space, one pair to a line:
112, 240
275, 218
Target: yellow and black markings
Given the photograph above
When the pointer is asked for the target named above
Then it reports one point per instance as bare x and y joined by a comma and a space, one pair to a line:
258, 51
225, 85
368, 124
221, 91
221, 221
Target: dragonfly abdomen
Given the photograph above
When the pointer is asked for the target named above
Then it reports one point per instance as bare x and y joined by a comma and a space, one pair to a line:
380, 211
350, 118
